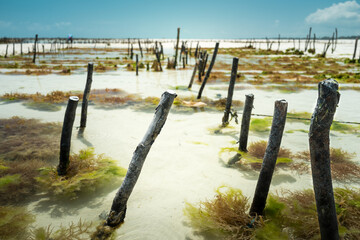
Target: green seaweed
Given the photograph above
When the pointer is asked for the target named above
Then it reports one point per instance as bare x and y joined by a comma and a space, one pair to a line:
344, 128
7, 180
87, 173
14, 222
260, 124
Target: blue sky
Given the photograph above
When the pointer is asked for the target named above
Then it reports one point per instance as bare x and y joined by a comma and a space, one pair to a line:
160, 18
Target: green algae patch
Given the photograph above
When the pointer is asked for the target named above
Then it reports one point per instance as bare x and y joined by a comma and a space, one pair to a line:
14, 222
9, 180
291, 215
260, 124
42, 106
223, 217
87, 173
344, 128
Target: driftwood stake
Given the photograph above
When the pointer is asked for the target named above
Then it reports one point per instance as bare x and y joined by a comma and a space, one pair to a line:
137, 65
34, 57
225, 120
193, 76
269, 161
209, 70
85, 102
177, 46
321, 120
118, 208
6, 51
355, 47
245, 122
140, 48
65, 141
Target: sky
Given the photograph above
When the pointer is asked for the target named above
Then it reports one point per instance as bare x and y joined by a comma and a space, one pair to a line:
204, 19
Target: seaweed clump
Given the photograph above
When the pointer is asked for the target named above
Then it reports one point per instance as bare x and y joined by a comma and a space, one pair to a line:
14, 222
290, 216
86, 174
225, 216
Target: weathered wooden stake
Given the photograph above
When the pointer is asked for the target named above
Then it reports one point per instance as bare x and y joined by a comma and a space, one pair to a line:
21, 49
321, 120
245, 122
85, 101
269, 161
204, 63
65, 141
209, 70
177, 47
137, 65
140, 48
118, 208
6, 51
183, 62
13, 49
356, 42
193, 76
158, 59
132, 52
225, 119
36, 38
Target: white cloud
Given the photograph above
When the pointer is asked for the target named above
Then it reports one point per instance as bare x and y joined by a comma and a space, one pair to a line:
344, 12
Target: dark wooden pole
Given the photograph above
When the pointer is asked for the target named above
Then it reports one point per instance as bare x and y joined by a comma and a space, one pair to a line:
321, 120
269, 161
208, 71
85, 101
118, 208
355, 47
225, 119
183, 62
193, 76
158, 59
140, 48
6, 51
204, 63
65, 141
177, 47
245, 122
21, 49
13, 49
137, 65
34, 57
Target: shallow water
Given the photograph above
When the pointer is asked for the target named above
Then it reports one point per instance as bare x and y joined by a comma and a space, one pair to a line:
184, 163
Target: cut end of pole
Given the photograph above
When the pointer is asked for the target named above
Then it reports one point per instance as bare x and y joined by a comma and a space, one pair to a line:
327, 87
90, 64
250, 95
171, 92
74, 98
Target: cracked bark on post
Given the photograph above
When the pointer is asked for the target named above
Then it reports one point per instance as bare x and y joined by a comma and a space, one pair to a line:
269, 161
85, 101
225, 119
118, 208
65, 141
208, 71
321, 120
245, 122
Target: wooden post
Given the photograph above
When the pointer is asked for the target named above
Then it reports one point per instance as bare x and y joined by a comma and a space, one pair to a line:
13, 49
177, 47
6, 51
204, 63
321, 120
269, 161
200, 66
36, 38
245, 122
158, 59
147, 66
65, 142
118, 208
21, 49
208, 71
85, 101
193, 76
137, 65
187, 58
196, 50
356, 42
128, 46
140, 48
184, 62
132, 52
225, 119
